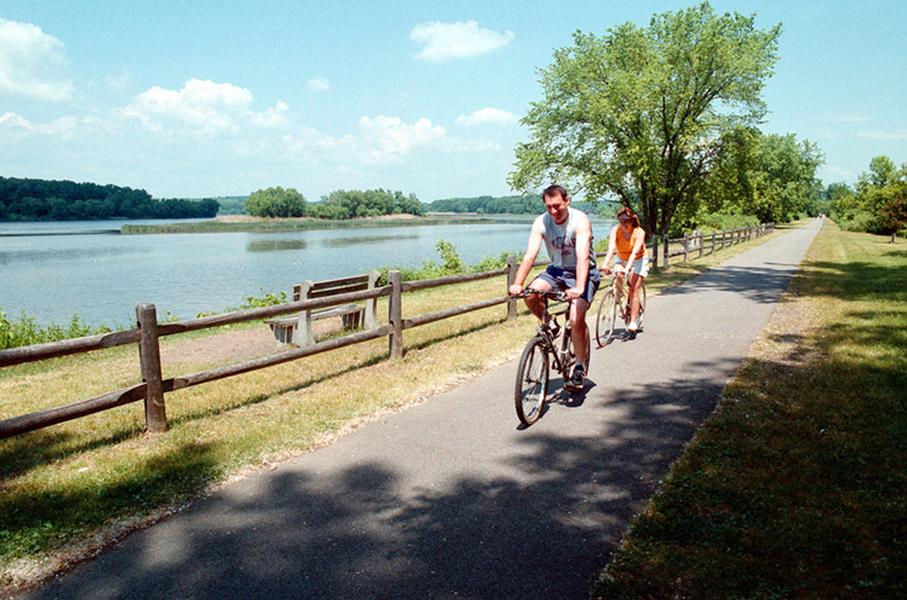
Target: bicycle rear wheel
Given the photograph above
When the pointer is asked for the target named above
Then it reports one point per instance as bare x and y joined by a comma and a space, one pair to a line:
642, 301
605, 318
531, 381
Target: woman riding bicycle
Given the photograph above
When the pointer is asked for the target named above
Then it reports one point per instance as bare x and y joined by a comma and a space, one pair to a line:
628, 241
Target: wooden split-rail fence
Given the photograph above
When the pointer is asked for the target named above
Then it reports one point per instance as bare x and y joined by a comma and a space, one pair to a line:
148, 332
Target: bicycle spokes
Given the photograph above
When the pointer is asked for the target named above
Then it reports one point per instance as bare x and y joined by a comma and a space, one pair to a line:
532, 382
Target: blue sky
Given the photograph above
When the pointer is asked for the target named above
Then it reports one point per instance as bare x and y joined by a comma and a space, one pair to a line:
203, 98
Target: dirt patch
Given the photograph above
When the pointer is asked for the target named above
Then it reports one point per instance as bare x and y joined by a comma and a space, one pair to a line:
237, 345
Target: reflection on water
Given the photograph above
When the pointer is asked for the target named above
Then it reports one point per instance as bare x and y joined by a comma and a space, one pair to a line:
43, 255
365, 239
275, 245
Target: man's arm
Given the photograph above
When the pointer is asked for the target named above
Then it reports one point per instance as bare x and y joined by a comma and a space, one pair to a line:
532, 251
583, 244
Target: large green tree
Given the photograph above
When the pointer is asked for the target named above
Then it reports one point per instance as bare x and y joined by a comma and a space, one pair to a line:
640, 113
770, 176
276, 202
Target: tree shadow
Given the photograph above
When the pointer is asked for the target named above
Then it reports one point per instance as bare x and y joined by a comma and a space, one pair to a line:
760, 284
540, 524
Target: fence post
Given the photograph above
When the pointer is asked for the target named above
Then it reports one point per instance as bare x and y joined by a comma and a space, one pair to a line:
701, 243
150, 361
686, 247
395, 314
511, 277
655, 251
303, 334
665, 251
371, 306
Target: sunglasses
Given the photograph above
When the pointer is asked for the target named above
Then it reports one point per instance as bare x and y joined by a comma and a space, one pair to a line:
623, 219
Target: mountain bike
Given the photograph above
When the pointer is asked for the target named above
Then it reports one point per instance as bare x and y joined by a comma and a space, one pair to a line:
550, 347
615, 303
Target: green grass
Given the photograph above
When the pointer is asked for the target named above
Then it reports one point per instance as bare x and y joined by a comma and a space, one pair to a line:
66, 489
797, 485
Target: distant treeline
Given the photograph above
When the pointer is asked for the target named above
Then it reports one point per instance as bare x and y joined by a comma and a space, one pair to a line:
54, 200
231, 205
514, 205
497, 205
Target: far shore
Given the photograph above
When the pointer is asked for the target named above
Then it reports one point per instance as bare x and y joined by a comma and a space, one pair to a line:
247, 223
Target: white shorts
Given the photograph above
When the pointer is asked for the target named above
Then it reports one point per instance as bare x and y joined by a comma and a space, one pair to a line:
640, 265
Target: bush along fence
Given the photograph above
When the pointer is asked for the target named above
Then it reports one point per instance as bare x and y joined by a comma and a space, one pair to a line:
148, 332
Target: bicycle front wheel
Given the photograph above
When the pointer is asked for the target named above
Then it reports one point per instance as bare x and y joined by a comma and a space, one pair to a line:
605, 319
532, 382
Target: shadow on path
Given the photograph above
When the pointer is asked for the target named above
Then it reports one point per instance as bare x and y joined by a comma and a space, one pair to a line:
359, 533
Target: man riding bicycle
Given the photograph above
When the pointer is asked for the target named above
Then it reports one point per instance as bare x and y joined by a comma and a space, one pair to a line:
567, 234
628, 241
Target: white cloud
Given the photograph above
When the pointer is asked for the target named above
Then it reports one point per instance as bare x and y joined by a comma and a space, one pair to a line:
276, 116
897, 134
446, 41
319, 84
203, 107
379, 139
64, 126
390, 137
487, 116
29, 63
118, 82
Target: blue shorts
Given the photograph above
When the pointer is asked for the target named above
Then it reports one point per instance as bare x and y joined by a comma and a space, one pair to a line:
561, 279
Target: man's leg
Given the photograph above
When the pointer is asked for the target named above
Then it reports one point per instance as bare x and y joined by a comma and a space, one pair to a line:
536, 302
579, 333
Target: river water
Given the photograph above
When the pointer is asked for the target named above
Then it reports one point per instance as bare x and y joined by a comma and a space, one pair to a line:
53, 271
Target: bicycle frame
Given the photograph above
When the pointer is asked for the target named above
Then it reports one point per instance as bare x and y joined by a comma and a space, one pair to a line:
561, 362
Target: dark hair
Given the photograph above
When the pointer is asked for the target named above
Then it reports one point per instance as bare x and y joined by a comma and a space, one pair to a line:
627, 211
553, 189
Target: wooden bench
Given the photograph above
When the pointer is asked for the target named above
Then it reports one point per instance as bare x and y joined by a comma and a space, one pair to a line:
297, 329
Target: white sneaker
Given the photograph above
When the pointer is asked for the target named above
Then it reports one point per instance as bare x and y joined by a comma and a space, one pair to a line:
633, 327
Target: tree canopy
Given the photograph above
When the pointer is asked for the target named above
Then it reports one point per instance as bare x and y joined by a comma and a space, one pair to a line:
878, 204
62, 200
350, 204
641, 114
770, 176
276, 202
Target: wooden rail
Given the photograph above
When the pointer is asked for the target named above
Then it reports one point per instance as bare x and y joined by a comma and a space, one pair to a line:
148, 332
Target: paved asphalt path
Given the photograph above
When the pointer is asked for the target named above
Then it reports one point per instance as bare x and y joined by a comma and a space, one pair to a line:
450, 498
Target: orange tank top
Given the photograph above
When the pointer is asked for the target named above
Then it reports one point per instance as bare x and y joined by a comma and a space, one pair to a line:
625, 246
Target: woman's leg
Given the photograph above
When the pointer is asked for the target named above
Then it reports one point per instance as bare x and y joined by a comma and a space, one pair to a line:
633, 291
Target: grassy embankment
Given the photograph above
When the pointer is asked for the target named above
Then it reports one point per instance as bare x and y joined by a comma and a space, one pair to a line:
253, 224
797, 486
73, 487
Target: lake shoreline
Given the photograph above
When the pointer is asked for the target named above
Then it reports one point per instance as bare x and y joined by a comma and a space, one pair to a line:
254, 224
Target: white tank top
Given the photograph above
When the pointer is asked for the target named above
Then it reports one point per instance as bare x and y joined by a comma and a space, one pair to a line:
560, 240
